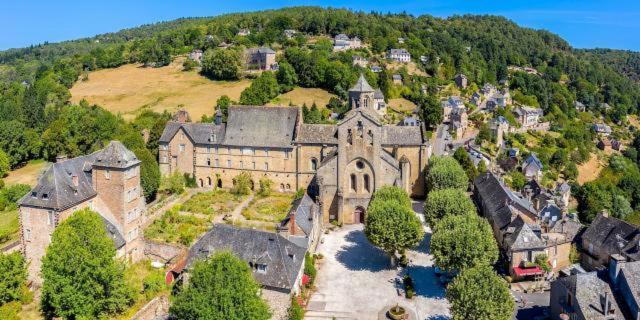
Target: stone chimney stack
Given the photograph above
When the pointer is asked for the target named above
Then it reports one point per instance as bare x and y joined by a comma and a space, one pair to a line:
61, 158
615, 265
292, 223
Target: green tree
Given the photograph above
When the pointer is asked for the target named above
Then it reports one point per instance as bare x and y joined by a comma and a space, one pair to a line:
446, 202
392, 227
431, 111
173, 184
479, 293
221, 287
391, 193
463, 241
542, 261
313, 115
149, 173
5, 165
462, 156
287, 77
266, 186
82, 278
518, 180
223, 104
13, 277
262, 90
242, 184
221, 64
445, 172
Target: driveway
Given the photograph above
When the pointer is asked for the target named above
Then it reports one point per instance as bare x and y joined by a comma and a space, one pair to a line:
355, 280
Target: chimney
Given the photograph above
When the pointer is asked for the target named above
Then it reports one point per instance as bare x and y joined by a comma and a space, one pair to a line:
74, 179
218, 119
292, 223
616, 263
606, 303
605, 213
61, 158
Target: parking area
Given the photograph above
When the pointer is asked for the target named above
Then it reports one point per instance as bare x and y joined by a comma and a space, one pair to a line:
355, 280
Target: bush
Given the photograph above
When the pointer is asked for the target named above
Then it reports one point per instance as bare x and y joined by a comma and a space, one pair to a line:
190, 181
408, 286
189, 64
299, 194
5, 165
152, 284
242, 184
173, 184
295, 311
9, 311
13, 276
265, 187
310, 268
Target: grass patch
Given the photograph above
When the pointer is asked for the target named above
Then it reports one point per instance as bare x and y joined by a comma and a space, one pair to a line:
174, 228
272, 208
300, 96
9, 226
401, 105
28, 174
146, 282
212, 203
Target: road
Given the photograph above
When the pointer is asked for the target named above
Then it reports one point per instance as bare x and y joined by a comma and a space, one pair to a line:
535, 305
441, 139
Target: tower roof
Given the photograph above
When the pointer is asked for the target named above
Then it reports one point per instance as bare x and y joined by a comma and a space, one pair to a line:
362, 85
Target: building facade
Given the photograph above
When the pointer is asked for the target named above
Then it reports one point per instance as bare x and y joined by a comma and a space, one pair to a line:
341, 165
107, 181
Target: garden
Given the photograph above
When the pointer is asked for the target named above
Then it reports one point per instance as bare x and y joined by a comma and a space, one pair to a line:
272, 208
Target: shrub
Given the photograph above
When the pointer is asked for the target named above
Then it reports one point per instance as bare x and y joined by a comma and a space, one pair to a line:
173, 184
295, 311
408, 286
189, 64
152, 284
9, 311
310, 268
265, 187
13, 276
242, 184
5, 165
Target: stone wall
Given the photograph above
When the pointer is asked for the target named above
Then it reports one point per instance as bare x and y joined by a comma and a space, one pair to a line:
156, 309
156, 251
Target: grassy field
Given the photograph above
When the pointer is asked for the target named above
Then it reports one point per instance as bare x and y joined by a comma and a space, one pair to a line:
28, 174
212, 203
300, 96
9, 226
136, 275
590, 170
401, 105
272, 208
131, 87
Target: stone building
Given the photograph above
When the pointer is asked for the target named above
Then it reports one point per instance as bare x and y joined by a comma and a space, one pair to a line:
262, 58
341, 165
106, 181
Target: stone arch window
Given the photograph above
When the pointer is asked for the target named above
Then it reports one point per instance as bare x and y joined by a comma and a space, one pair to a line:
219, 183
367, 183
288, 186
349, 136
314, 164
354, 183
370, 136
208, 162
201, 183
209, 181
282, 186
360, 129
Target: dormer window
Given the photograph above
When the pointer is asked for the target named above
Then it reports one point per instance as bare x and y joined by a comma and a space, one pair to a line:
261, 268
45, 196
34, 194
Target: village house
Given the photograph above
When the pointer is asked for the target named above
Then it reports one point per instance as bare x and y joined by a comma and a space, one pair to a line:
290, 33
489, 89
262, 58
196, 55
357, 60
399, 55
342, 165
607, 236
459, 121
376, 69
583, 296
602, 129
401, 40
499, 126
397, 79
106, 181
461, 81
411, 121
476, 98
342, 42
527, 116
244, 32
449, 105
303, 223
503, 98
532, 167
276, 263
580, 107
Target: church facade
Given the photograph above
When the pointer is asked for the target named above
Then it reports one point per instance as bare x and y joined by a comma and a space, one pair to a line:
340, 165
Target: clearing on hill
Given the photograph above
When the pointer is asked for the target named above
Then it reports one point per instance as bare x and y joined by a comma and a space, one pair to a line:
590, 170
300, 96
130, 88
28, 174
402, 105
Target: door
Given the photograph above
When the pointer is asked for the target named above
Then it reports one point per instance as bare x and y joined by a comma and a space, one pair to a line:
359, 214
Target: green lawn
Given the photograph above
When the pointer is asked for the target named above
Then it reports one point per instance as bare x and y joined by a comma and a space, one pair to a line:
9, 226
272, 208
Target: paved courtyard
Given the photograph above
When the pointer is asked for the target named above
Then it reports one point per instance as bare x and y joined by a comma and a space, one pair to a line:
355, 280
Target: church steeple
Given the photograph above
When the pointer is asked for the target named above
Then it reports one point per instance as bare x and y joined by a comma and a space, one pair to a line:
361, 95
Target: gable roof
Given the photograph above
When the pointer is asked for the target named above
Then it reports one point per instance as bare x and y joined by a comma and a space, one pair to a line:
614, 236
317, 133
253, 126
362, 85
199, 133
283, 258
303, 208
532, 159
115, 155
402, 135
522, 236
588, 290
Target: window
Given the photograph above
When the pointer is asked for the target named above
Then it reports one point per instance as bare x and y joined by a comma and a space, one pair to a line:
366, 182
181, 147
241, 165
208, 149
253, 165
286, 154
51, 216
91, 205
353, 182
208, 162
590, 248
163, 147
132, 194
107, 174
228, 163
314, 164
260, 268
266, 152
217, 162
216, 150
247, 151
27, 234
266, 166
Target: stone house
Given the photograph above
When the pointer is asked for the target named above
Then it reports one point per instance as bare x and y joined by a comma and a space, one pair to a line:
397, 79
583, 296
196, 55
303, 223
106, 181
476, 98
499, 126
262, 58
376, 69
459, 121
461, 81
602, 129
290, 33
244, 32
277, 264
340, 165
527, 116
342, 42
532, 167
580, 107
489, 89
605, 144
399, 55
449, 105
607, 236
357, 60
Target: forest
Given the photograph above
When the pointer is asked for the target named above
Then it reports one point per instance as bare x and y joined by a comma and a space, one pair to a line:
37, 119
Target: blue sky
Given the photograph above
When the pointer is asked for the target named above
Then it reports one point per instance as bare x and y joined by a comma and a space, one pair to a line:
584, 23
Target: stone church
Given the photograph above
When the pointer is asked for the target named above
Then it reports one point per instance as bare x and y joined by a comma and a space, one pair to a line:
340, 165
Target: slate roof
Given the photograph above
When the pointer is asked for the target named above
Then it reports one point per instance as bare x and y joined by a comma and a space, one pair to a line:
116, 155
283, 258
362, 85
303, 209
317, 133
522, 236
113, 233
588, 290
569, 228
630, 271
265, 50
550, 214
564, 187
398, 51
200, 133
402, 135
532, 160
252, 126
614, 236
378, 94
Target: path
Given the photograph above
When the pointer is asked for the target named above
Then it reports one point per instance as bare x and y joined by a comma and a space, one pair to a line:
236, 214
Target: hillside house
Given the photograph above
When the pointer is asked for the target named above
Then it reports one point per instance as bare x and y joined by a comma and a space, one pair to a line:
602, 129
106, 181
527, 116
397, 79
532, 167
262, 58
244, 32
489, 89
499, 127
399, 55
342, 42
583, 296
476, 98
449, 105
303, 223
290, 33
196, 55
461, 81
580, 107
376, 69
459, 121
607, 236
357, 60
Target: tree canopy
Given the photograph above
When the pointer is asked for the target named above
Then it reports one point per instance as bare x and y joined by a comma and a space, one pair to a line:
445, 172
391, 193
221, 287
13, 277
221, 64
479, 293
82, 278
446, 202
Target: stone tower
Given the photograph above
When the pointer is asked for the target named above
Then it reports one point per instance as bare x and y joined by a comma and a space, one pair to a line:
362, 95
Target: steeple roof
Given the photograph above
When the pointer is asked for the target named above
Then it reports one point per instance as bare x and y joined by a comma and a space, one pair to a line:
362, 85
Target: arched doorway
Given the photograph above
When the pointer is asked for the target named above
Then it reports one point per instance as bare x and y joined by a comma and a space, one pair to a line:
209, 181
358, 215
219, 183
201, 183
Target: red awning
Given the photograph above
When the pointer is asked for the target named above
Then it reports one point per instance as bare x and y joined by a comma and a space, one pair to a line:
521, 272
